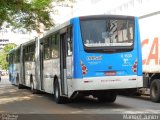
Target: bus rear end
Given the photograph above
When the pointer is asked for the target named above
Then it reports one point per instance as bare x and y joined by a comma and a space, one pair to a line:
107, 54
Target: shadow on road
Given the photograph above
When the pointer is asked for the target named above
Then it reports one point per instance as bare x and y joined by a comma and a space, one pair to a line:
87, 103
140, 97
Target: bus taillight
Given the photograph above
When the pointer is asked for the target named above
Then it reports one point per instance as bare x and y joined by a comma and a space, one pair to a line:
84, 69
134, 67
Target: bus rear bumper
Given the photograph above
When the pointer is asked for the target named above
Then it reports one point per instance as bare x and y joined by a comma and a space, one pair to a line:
107, 83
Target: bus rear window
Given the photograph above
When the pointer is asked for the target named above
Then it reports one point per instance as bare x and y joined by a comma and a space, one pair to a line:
107, 33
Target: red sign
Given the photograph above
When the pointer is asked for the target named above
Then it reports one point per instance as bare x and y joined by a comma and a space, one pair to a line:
153, 54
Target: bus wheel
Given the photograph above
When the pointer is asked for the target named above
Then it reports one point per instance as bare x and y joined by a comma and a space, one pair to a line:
32, 88
109, 98
155, 90
58, 98
20, 86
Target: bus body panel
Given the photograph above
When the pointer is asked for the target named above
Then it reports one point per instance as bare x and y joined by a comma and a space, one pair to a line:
51, 68
37, 81
139, 48
13, 69
29, 73
76, 48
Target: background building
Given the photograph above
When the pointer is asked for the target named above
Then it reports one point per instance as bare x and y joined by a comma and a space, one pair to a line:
3, 38
7, 35
3, 42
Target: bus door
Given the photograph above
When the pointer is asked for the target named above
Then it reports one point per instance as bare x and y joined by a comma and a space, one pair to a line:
41, 65
63, 64
37, 64
12, 67
23, 64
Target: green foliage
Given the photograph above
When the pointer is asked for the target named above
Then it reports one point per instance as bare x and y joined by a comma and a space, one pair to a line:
27, 14
3, 55
3, 63
8, 47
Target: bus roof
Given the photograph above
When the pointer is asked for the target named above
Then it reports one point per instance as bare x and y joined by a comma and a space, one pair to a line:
28, 42
60, 26
56, 28
13, 50
106, 16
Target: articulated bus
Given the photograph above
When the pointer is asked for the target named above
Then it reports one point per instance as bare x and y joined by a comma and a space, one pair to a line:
89, 55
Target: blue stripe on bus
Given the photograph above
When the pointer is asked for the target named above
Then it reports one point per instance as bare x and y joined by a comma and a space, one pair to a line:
76, 46
139, 50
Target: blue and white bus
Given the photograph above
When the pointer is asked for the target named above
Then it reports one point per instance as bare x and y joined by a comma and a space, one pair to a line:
88, 55
14, 65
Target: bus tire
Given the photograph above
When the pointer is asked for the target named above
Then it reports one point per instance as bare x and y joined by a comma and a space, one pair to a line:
155, 90
109, 98
17, 79
57, 97
20, 86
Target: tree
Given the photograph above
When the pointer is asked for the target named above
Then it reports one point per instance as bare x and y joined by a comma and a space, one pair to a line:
3, 55
28, 14
8, 47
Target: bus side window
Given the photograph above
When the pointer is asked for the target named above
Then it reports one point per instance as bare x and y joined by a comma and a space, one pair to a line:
26, 55
69, 41
55, 46
32, 51
46, 49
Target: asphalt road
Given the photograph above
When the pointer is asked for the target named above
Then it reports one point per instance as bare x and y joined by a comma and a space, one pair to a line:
13, 100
